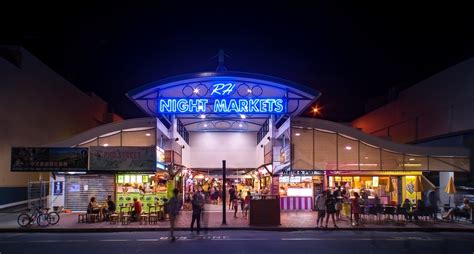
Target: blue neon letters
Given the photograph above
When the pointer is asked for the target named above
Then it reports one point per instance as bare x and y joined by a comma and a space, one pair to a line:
218, 103
180, 106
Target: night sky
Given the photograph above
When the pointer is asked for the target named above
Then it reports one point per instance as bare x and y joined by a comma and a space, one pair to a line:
351, 53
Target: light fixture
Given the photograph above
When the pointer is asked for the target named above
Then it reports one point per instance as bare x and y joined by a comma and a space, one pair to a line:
411, 159
243, 116
268, 138
205, 125
366, 157
348, 148
106, 144
176, 139
249, 90
297, 134
196, 90
182, 147
240, 125
202, 116
148, 134
315, 110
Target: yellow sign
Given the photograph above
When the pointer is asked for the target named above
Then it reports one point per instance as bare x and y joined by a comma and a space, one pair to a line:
409, 189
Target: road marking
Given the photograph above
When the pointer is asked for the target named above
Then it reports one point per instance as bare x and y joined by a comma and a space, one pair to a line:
76, 241
115, 240
45, 241
147, 240
309, 239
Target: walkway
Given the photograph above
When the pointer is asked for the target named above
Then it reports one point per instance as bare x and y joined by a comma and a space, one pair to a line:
212, 219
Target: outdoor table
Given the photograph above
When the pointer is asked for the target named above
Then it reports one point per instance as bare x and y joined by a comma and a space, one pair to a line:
150, 208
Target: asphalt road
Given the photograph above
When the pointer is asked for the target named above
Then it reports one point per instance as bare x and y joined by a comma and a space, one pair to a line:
240, 242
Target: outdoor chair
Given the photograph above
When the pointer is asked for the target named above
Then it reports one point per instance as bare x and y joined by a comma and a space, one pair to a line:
114, 218
389, 211
401, 211
372, 211
82, 218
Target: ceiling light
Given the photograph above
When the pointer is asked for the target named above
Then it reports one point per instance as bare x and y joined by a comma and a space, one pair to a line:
148, 134
348, 147
366, 157
411, 159
196, 90
243, 116
240, 125
106, 144
298, 134
249, 91
205, 125
202, 116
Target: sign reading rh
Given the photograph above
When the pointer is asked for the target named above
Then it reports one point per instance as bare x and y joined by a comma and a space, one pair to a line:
222, 105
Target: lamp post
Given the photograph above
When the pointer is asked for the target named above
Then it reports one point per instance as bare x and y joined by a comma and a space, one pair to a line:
224, 180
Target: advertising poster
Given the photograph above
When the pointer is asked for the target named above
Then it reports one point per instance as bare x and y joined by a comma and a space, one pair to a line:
123, 158
49, 159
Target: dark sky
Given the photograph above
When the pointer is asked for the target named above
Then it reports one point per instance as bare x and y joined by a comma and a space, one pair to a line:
348, 52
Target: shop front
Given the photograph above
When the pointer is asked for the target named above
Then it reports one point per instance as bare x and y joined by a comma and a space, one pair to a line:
298, 190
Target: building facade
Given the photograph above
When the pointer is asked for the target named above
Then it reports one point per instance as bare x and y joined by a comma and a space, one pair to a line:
38, 107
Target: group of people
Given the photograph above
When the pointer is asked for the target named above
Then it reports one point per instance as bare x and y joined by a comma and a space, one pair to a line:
326, 204
107, 209
238, 199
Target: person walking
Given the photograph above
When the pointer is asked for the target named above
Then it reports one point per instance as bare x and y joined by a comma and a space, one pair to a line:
433, 200
355, 206
232, 196
321, 208
330, 209
247, 204
197, 203
174, 205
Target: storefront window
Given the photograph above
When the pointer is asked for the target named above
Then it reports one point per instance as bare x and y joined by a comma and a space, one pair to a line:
150, 189
392, 161
369, 157
303, 156
348, 152
324, 150
138, 138
110, 140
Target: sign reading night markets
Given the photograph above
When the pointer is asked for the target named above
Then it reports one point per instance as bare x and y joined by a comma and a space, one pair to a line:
220, 102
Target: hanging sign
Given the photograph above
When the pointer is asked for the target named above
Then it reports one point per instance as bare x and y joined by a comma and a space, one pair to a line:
219, 102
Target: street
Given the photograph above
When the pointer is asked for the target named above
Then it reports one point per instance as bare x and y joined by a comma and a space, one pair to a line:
239, 242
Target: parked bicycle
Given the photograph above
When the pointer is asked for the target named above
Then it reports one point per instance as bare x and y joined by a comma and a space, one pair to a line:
40, 216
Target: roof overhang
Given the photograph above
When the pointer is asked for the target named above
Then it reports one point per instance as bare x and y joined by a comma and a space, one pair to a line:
202, 86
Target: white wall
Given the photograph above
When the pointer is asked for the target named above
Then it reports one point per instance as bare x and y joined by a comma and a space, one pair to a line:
208, 149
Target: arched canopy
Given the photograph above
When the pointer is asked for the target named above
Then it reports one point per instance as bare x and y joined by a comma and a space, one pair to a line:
223, 100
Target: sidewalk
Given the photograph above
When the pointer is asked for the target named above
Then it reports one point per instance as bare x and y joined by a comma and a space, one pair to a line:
212, 220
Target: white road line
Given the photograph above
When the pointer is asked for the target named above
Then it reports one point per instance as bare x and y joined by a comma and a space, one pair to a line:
241, 239
147, 240
45, 241
309, 239
76, 241
115, 240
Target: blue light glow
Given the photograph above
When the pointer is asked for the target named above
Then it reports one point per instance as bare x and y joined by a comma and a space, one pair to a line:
254, 106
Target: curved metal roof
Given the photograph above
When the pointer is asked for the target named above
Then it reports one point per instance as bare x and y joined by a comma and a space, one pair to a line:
206, 76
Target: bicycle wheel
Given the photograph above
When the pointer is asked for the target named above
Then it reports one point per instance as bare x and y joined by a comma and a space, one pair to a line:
43, 219
24, 220
53, 218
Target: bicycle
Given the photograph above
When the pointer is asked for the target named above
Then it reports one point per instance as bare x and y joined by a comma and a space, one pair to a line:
53, 218
41, 218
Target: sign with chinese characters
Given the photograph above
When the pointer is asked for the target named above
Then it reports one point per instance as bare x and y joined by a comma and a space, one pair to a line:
220, 103
123, 158
44, 159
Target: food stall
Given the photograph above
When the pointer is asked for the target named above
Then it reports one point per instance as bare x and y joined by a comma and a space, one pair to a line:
149, 189
296, 192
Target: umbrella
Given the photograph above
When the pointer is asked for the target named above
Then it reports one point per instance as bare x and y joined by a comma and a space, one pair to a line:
450, 188
390, 187
418, 185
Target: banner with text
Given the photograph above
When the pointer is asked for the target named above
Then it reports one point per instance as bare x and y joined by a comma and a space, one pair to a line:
123, 158
44, 159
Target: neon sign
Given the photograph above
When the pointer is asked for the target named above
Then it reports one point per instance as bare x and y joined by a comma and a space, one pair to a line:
222, 89
219, 104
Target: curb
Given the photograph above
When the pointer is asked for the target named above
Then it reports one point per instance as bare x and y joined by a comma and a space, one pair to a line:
263, 229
